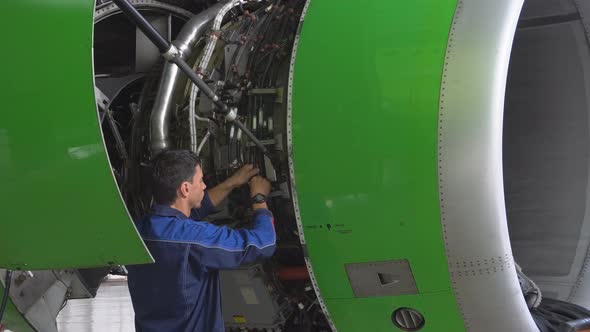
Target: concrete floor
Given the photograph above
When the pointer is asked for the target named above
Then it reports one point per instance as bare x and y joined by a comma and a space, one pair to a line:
110, 311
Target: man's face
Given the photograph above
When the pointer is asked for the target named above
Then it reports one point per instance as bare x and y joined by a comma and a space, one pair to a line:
197, 188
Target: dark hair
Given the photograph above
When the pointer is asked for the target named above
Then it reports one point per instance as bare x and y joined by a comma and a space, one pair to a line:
170, 169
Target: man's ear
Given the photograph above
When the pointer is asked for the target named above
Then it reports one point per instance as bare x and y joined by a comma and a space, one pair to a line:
184, 189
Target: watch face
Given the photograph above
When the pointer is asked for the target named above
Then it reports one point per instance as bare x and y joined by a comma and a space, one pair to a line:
259, 198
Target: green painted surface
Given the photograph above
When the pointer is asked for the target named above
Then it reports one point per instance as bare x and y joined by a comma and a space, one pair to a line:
365, 113
12, 319
375, 314
59, 202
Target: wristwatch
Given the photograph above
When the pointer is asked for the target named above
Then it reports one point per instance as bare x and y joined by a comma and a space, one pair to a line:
258, 198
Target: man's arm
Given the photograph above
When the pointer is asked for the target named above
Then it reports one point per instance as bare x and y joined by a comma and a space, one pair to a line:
224, 248
217, 194
241, 177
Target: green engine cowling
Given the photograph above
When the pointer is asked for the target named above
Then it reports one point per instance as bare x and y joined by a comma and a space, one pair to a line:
366, 93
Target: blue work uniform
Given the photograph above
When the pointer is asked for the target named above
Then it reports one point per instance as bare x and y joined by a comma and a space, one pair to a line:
181, 290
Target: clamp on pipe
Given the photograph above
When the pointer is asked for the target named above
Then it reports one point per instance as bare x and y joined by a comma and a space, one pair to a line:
232, 114
172, 53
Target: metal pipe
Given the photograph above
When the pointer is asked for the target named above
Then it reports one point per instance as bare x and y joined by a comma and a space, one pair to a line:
252, 137
577, 325
203, 142
203, 64
222, 107
161, 110
207, 91
192, 31
172, 55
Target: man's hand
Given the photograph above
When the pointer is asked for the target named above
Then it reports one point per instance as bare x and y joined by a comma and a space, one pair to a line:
259, 185
220, 192
242, 176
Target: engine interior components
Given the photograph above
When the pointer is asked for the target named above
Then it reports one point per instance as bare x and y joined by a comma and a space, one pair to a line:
239, 53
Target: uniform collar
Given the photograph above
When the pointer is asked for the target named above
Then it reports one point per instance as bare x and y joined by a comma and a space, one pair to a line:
167, 211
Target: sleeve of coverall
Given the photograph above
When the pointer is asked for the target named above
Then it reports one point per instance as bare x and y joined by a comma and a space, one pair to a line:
225, 248
206, 208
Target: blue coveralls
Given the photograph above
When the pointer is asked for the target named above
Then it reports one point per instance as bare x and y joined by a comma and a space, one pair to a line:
181, 291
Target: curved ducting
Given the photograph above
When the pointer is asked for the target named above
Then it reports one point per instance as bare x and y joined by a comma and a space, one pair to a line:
171, 77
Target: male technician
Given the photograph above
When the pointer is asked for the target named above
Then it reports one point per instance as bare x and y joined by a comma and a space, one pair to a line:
181, 291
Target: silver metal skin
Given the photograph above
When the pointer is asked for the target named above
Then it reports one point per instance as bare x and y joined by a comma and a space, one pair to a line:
471, 189
192, 31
